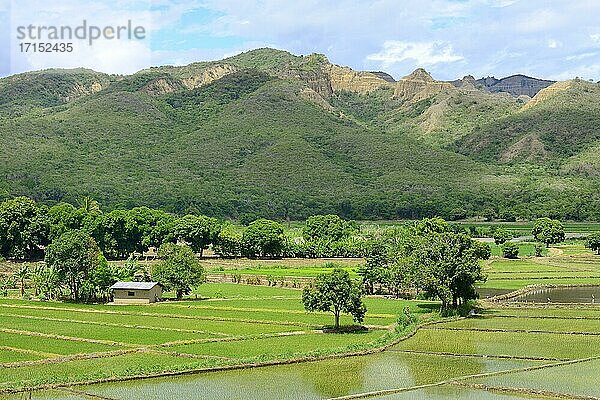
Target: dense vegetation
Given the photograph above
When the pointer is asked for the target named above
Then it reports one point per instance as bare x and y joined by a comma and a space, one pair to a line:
250, 142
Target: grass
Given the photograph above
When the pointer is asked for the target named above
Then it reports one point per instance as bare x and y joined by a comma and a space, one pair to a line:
279, 346
82, 370
157, 321
232, 290
133, 336
52, 345
7, 356
555, 325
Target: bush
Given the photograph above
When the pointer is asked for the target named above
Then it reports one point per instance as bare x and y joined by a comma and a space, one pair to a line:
510, 250
539, 249
406, 318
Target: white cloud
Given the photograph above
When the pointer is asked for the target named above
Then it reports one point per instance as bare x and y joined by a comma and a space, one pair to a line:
554, 44
539, 21
591, 71
581, 56
595, 37
422, 53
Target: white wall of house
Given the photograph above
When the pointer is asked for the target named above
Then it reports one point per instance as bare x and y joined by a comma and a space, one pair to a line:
136, 296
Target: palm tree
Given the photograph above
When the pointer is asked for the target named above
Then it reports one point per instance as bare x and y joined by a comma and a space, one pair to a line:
89, 205
20, 275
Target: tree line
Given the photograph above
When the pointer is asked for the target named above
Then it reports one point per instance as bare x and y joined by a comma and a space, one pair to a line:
27, 228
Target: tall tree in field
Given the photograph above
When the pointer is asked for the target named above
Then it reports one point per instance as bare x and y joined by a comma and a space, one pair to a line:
337, 293
548, 231
23, 228
178, 270
74, 255
593, 242
446, 266
263, 238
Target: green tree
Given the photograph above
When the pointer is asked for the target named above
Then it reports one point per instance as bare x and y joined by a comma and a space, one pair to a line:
432, 225
178, 270
229, 242
198, 231
23, 228
327, 228
489, 214
375, 270
263, 238
101, 278
510, 250
446, 266
501, 236
548, 231
593, 242
74, 255
337, 293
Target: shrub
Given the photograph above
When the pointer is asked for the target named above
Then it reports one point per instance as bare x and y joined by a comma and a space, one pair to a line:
510, 250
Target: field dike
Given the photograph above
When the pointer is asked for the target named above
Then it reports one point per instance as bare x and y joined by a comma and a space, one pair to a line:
379, 345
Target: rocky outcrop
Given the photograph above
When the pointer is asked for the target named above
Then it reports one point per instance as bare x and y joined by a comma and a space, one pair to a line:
343, 78
546, 93
79, 90
208, 75
383, 75
162, 86
419, 86
516, 85
314, 97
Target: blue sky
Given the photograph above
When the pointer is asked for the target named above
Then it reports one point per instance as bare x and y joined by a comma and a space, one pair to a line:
450, 38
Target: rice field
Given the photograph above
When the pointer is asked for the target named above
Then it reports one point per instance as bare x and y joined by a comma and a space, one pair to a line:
509, 351
48, 343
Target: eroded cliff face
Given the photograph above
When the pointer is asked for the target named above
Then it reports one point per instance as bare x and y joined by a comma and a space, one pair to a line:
79, 90
547, 93
162, 86
344, 78
419, 86
208, 75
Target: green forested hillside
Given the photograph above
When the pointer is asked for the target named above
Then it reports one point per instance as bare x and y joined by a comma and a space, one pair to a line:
271, 134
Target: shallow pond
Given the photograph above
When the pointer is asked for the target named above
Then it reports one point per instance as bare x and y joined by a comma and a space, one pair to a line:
587, 295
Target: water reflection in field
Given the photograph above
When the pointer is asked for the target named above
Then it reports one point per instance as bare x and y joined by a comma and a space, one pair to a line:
314, 380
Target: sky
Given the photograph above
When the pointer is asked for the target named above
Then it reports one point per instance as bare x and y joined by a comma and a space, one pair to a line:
552, 39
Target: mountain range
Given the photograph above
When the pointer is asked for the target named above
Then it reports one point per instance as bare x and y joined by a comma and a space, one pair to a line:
273, 134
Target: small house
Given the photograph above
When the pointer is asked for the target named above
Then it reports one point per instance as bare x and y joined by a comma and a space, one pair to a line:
136, 292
